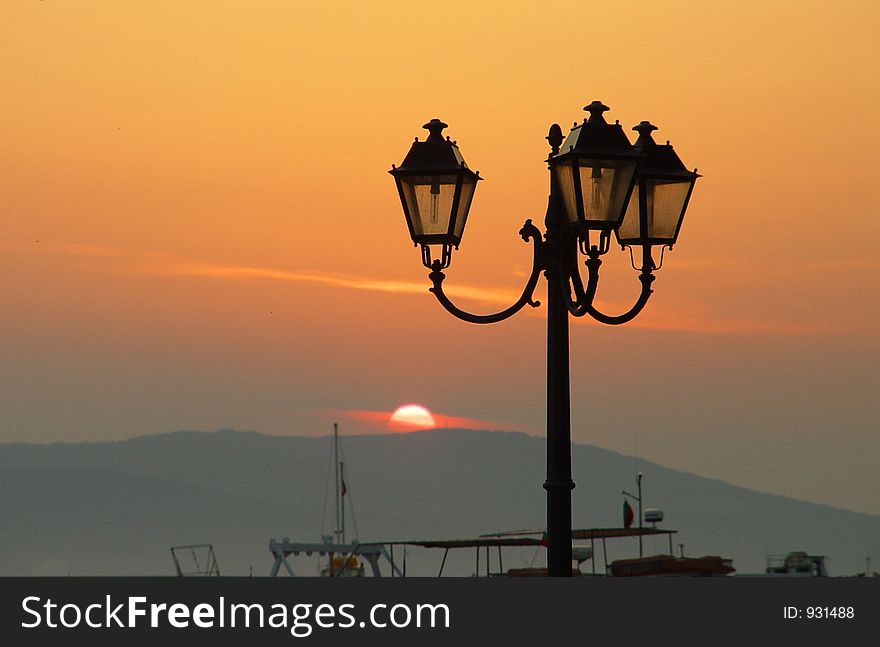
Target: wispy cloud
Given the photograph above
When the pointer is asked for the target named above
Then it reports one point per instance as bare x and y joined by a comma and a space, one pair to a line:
761, 269
208, 270
687, 317
701, 320
378, 421
169, 265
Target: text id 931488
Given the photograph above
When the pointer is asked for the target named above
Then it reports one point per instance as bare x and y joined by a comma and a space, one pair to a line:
819, 613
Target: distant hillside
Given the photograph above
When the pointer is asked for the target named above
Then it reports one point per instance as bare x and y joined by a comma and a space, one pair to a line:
116, 508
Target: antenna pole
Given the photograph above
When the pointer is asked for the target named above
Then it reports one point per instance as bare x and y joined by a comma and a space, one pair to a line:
338, 529
342, 501
639, 482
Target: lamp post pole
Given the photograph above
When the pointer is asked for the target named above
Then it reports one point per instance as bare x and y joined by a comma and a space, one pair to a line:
559, 483
592, 178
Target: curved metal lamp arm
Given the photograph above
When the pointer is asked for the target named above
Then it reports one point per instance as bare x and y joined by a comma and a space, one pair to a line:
646, 278
528, 231
584, 297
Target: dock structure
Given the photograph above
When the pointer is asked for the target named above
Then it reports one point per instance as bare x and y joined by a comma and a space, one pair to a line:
342, 558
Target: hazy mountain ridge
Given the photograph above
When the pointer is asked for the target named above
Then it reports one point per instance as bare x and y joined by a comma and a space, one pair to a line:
117, 507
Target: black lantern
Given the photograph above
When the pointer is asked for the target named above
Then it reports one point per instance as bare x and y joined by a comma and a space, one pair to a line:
594, 172
661, 194
436, 189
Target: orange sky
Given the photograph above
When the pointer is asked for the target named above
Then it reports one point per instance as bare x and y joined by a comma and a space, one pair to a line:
199, 230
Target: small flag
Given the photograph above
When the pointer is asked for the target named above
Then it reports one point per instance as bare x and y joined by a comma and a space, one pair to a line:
628, 515
344, 489
545, 540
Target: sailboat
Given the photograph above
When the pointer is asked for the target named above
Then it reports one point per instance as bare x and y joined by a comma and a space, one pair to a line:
341, 558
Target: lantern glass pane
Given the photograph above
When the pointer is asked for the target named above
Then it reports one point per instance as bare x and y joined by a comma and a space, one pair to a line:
429, 202
630, 229
665, 202
604, 187
468, 187
565, 182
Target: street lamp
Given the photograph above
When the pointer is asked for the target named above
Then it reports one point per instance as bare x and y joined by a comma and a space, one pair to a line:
599, 183
436, 188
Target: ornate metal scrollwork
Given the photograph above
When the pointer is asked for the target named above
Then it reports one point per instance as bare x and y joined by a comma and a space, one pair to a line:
528, 231
582, 302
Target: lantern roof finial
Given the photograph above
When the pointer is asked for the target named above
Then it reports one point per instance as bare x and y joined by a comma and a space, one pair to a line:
596, 108
435, 128
644, 130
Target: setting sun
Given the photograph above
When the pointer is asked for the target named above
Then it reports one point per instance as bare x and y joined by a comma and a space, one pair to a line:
410, 417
